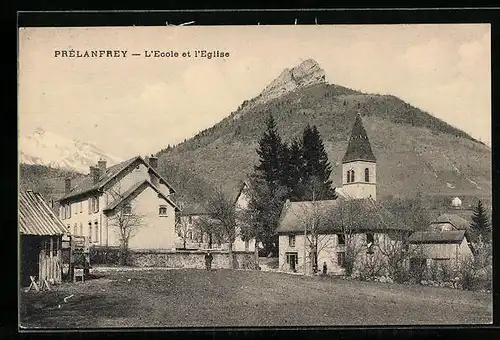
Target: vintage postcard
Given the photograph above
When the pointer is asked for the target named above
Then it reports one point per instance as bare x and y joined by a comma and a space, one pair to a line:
228, 176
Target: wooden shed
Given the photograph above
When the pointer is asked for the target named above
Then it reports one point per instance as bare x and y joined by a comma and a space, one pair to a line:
448, 247
40, 239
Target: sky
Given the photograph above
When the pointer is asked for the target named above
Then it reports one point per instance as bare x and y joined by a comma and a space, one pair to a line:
138, 105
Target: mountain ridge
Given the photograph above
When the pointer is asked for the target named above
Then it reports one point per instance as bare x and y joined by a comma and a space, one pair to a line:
438, 157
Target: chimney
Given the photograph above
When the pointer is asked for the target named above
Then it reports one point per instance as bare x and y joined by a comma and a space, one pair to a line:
101, 164
67, 185
94, 174
153, 162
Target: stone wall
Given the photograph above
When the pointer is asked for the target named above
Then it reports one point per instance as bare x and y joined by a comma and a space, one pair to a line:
190, 259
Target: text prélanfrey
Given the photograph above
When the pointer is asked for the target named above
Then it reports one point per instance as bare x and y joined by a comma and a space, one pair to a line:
90, 53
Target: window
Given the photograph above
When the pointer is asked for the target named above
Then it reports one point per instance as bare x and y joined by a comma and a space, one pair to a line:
90, 232
93, 205
96, 232
367, 175
292, 258
350, 176
190, 219
369, 240
341, 259
291, 241
127, 209
163, 210
81, 207
69, 210
75, 229
81, 229
340, 238
61, 212
190, 235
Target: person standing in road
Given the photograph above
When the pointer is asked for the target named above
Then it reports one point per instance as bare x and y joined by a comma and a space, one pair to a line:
208, 261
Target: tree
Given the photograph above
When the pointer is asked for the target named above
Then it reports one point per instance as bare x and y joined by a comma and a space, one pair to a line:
182, 226
347, 216
271, 152
269, 187
221, 220
126, 220
261, 217
314, 215
480, 223
410, 211
294, 170
316, 166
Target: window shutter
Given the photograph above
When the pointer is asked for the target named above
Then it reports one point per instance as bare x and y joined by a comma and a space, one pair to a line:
89, 206
96, 204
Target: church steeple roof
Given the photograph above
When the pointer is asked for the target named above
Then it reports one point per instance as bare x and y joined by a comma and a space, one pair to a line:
359, 148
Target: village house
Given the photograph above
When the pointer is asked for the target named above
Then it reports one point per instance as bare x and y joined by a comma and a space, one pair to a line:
40, 239
354, 219
446, 241
91, 206
190, 237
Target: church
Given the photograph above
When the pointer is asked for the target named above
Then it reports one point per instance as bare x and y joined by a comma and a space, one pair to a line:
318, 234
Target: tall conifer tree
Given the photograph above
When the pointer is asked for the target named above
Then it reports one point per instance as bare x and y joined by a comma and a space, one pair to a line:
316, 167
480, 224
271, 153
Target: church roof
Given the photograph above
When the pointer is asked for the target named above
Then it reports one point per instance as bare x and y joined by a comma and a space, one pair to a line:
455, 236
359, 148
458, 222
333, 216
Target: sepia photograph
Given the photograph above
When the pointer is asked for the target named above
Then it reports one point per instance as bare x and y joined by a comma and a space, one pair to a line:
185, 176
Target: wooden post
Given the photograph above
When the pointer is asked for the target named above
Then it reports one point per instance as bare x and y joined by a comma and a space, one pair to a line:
71, 259
51, 273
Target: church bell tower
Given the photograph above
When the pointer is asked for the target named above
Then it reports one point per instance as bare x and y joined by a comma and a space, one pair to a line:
359, 165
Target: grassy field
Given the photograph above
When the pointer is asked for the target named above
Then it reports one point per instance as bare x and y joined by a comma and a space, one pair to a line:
196, 298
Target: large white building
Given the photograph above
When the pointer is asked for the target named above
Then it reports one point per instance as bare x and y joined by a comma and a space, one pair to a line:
92, 206
355, 217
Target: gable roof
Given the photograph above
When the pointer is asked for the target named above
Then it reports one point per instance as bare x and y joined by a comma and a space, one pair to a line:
135, 190
455, 220
86, 185
241, 188
428, 237
358, 148
36, 217
373, 217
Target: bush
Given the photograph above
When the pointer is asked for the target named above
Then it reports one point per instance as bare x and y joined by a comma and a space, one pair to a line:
433, 272
467, 274
476, 272
371, 268
104, 255
447, 273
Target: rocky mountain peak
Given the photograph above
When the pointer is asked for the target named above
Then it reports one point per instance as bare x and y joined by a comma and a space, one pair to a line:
306, 73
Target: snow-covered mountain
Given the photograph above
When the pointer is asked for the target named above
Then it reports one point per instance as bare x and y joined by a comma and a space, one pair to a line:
48, 148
